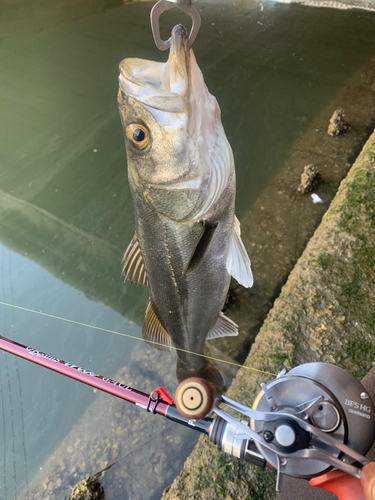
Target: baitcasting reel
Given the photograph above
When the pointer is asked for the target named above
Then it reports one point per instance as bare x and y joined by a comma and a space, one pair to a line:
304, 423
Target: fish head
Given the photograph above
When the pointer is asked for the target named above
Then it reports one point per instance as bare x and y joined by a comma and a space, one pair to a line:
179, 159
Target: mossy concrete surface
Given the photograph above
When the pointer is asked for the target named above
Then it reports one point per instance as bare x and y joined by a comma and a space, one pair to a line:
325, 312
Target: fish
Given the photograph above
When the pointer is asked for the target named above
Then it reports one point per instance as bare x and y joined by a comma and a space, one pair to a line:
187, 242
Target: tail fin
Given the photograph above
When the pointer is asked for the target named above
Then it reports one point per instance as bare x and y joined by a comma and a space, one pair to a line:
208, 372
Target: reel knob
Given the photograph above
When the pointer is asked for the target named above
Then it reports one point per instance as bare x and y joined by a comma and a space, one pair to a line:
195, 398
285, 435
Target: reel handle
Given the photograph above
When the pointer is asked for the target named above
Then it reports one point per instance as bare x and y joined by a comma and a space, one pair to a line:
195, 398
347, 487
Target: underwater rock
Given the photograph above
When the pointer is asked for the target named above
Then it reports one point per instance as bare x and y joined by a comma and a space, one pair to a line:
89, 488
309, 179
337, 124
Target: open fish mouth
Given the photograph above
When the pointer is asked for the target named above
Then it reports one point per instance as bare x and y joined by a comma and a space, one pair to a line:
159, 86
141, 80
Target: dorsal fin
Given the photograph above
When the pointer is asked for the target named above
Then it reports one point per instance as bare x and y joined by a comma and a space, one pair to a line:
224, 327
238, 262
134, 266
154, 331
208, 230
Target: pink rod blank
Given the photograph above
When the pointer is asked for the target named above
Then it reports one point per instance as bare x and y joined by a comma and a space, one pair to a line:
86, 376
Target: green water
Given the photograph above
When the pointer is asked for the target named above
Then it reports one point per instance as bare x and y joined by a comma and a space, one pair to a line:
66, 215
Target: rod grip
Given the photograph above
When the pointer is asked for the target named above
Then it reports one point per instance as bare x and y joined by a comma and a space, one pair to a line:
368, 480
341, 484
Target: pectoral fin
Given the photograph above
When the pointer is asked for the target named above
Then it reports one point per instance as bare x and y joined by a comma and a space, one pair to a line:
134, 266
208, 230
238, 262
154, 332
224, 327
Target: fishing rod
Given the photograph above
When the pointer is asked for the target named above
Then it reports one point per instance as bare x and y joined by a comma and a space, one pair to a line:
306, 422
158, 402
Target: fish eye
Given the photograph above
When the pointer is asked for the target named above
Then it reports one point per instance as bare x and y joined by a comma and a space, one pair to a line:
138, 135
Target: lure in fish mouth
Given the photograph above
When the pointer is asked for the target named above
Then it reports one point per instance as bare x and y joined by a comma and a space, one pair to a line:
187, 239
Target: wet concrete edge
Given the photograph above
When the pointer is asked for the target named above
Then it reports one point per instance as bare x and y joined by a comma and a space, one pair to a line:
324, 313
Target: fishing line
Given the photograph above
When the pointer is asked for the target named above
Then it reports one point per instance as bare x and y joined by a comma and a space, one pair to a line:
12, 427
135, 338
23, 430
130, 452
25, 463
4, 441
12, 419
2, 396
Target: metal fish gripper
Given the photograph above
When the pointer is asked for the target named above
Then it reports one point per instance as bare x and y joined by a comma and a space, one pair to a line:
162, 6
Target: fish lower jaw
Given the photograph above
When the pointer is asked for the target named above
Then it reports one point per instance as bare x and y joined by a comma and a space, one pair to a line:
187, 184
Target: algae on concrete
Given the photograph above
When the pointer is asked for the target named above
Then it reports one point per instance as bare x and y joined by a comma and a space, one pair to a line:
325, 312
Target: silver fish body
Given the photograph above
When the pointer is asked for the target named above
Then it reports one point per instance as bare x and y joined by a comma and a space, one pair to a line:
181, 172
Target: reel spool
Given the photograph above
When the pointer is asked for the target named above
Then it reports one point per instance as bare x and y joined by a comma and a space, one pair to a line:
346, 413
195, 398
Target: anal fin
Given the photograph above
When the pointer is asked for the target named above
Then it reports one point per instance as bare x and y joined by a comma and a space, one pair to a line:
154, 332
208, 372
238, 262
134, 266
224, 327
